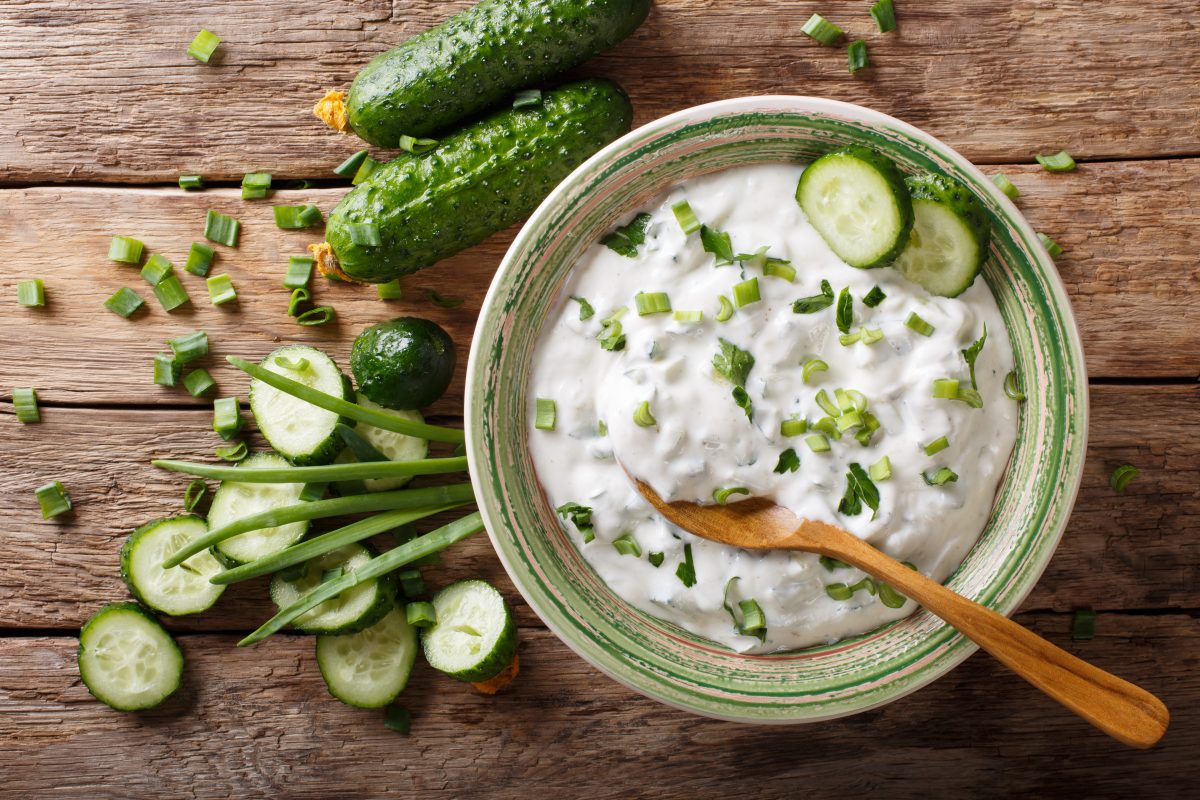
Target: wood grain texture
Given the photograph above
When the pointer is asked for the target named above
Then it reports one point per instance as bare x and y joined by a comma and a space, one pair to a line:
105, 91
258, 722
1137, 550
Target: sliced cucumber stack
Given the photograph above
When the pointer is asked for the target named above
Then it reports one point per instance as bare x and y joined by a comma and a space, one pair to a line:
184, 589
395, 446
475, 636
127, 660
234, 500
857, 201
351, 611
297, 430
370, 668
949, 240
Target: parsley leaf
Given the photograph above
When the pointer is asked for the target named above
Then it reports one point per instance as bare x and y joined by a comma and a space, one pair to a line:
686, 571
874, 297
972, 353
743, 401
717, 242
845, 310
818, 302
625, 239
788, 461
860, 489
585, 308
733, 363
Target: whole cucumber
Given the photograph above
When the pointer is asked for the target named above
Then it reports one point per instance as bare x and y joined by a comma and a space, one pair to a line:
477, 181
479, 58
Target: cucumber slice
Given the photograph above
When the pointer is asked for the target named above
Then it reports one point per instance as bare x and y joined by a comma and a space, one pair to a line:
179, 590
370, 668
396, 446
475, 636
297, 430
949, 240
234, 500
353, 610
857, 201
127, 660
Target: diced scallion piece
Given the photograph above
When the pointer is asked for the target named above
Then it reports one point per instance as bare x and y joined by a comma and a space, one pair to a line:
1005, 185
527, 98
828, 406
936, 446
350, 166
220, 290
839, 591
232, 452
294, 364
812, 366
443, 301
688, 316
918, 325
200, 258
364, 234
1083, 625
1052, 247
685, 217
580, 517
170, 293
686, 571
291, 218
821, 30
881, 470
366, 168
416, 146
203, 46
652, 303
721, 496
25, 406
194, 494
626, 545
189, 347
421, 614
191, 182
817, 443
656, 559
793, 427
945, 389
125, 250
124, 302
746, 292
255, 185
390, 290
545, 414
884, 14
157, 269
1012, 387
940, 476
779, 268
642, 416
221, 229
398, 718
1059, 162
319, 315
166, 371
31, 293
754, 621
299, 272
411, 583
227, 417
300, 296
1121, 477
856, 56
53, 499
726, 309
874, 297
198, 381
869, 336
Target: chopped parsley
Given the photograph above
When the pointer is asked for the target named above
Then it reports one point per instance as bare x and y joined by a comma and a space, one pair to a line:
625, 239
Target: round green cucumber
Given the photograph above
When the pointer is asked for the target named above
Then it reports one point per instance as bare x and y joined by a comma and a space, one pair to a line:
370, 668
477, 59
949, 239
475, 636
406, 362
127, 660
857, 200
233, 501
180, 590
353, 610
295, 429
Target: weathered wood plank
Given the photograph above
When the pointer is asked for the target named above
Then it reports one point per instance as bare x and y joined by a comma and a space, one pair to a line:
1136, 550
1127, 230
105, 91
251, 722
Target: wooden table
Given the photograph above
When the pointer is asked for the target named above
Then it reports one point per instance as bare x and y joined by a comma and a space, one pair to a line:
100, 111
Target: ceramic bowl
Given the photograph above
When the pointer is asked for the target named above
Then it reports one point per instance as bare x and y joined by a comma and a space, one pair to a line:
655, 657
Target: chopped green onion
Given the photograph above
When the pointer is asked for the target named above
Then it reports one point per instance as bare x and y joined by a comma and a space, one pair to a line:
189, 347
296, 217
685, 217
884, 14
939, 477
652, 303
1005, 185
721, 496
364, 234
398, 718
232, 452
170, 293
295, 365
827, 426
220, 290
746, 292
1083, 625
838, 591
25, 406
642, 415
818, 302
527, 98
832, 564
199, 259
856, 56
626, 238
851, 419
822, 30
753, 620
1052, 247
857, 400
726, 310
443, 301
626, 545
688, 316
601, 428
312, 492
580, 517
255, 185
420, 614
412, 584
827, 405
870, 425
936, 446
889, 596
610, 337
945, 389
366, 169
194, 494
157, 269
1121, 477
656, 559
874, 297
686, 571
817, 443
221, 229
390, 290
848, 339
971, 397
125, 250
198, 381
227, 417
299, 297
788, 461
869, 336
845, 311
203, 46
779, 268
191, 182
299, 272
920, 326
717, 243
31, 293
53, 499
410, 144
881, 470
1059, 162
1011, 386
350, 166
755, 260
545, 414
793, 427
318, 315
124, 302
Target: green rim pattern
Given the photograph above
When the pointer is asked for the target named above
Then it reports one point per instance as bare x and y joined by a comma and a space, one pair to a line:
655, 657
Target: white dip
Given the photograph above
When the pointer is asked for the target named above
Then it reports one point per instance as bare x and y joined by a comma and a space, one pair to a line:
702, 440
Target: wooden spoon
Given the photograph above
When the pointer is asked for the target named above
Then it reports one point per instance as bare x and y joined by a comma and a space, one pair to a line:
1125, 712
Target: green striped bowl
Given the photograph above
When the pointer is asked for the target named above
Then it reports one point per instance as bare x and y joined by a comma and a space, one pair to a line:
657, 658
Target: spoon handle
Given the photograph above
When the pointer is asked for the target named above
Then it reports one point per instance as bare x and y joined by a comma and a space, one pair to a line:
1124, 711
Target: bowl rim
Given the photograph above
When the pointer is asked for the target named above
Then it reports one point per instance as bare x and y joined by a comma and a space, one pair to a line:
958, 648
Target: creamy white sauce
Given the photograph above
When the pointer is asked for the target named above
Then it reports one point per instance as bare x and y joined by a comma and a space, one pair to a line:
703, 441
